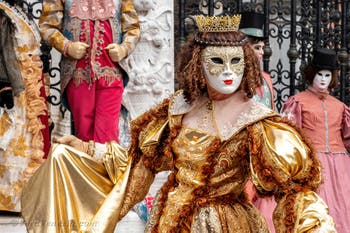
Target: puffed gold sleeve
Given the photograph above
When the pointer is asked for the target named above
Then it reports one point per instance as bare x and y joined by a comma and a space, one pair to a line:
50, 24
130, 25
284, 165
142, 177
310, 214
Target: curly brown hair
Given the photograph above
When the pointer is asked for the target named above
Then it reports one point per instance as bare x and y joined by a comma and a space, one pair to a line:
310, 72
190, 72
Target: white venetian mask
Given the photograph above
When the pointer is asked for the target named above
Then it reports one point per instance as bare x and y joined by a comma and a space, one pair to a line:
223, 67
322, 80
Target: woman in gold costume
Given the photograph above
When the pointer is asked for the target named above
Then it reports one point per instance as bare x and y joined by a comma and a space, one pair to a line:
212, 137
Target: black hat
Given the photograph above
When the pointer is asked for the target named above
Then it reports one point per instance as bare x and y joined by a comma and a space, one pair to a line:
252, 24
325, 59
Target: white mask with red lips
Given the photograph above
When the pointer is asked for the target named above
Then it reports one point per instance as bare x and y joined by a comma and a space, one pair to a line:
322, 80
223, 67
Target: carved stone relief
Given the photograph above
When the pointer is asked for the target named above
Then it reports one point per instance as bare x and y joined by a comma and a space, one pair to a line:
151, 66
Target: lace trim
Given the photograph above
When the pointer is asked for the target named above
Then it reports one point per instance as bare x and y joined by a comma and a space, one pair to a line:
100, 151
253, 113
93, 9
109, 73
178, 104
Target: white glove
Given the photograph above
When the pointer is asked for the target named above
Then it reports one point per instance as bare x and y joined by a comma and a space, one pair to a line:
116, 52
77, 50
73, 141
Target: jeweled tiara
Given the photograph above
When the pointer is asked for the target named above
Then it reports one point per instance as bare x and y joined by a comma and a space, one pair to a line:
218, 23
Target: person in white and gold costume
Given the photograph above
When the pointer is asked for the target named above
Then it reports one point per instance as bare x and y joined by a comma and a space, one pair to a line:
212, 137
24, 131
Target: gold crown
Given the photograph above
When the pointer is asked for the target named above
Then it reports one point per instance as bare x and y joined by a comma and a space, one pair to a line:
218, 23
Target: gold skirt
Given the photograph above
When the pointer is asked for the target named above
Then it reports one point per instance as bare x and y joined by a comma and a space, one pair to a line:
71, 192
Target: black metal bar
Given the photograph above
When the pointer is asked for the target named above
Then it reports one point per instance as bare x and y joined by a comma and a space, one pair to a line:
343, 55
318, 23
239, 5
292, 52
304, 33
182, 16
211, 7
267, 49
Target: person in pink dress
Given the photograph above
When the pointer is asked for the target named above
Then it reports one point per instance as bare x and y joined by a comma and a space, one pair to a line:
326, 121
93, 37
252, 25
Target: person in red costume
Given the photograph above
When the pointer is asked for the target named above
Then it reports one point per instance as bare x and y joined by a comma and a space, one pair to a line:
326, 121
93, 37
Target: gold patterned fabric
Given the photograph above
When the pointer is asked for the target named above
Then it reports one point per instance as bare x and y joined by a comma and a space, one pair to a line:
21, 138
191, 149
205, 190
68, 190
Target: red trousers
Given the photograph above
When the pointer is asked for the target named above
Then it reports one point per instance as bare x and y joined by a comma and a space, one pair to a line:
95, 109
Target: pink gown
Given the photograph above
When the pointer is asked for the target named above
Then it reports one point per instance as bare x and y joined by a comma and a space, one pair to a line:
264, 95
326, 121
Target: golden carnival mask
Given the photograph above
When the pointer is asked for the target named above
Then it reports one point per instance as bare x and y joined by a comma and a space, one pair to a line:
219, 58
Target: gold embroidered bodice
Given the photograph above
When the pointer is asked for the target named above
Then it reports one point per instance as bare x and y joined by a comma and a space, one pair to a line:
190, 147
230, 173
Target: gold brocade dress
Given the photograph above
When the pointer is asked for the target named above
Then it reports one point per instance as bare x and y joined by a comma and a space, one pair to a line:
227, 181
205, 190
